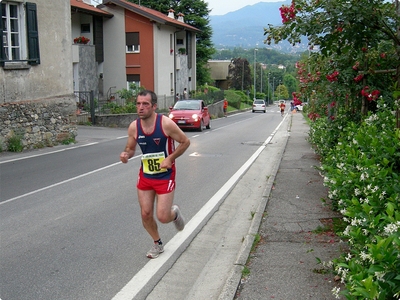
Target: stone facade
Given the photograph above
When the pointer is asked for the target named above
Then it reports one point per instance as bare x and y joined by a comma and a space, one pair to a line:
39, 123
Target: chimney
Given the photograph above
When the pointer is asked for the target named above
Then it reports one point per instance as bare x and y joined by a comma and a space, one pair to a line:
180, 17
171, 13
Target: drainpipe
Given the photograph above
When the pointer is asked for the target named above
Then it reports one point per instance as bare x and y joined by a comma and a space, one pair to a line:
175, 61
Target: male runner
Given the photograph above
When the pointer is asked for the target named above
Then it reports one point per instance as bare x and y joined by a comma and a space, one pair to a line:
282, 107
155, 135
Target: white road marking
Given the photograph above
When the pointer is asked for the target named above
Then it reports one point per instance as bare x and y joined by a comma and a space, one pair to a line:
47, 153
141, 278
65, 181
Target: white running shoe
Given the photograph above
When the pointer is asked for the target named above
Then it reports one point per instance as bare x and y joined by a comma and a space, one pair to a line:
155, 251
179, 221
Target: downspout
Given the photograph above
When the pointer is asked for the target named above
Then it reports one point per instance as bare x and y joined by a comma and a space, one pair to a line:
175, 60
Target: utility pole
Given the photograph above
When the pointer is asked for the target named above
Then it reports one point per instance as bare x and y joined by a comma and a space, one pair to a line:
255, 59
273, 88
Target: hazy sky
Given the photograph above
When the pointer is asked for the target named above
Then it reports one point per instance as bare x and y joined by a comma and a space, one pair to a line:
222, 7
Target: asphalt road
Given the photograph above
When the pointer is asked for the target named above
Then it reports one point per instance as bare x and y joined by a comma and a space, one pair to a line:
70, 222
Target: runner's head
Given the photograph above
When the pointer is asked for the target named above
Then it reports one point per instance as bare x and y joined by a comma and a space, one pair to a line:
146, 104
153, 95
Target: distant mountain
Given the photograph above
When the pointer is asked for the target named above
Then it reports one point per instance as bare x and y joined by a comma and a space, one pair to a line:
245, 27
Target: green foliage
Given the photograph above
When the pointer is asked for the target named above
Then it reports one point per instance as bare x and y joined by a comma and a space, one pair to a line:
114, 108
130, 94
357, 43
15, 143
264, 55
67, 141
281, 92
361, 170
236, 98
209, 94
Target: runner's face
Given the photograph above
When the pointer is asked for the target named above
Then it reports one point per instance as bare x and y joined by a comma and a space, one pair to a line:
144, 107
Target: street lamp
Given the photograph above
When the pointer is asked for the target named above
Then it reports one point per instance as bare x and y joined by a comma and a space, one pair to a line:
261, 71
255, 59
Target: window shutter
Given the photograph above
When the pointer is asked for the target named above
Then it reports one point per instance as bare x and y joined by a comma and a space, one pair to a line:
33, 34
2, 53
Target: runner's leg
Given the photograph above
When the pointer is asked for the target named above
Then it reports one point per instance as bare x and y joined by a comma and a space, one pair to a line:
163, 207
146, 201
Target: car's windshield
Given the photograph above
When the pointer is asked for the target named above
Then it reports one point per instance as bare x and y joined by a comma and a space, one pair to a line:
259, 102
187, 105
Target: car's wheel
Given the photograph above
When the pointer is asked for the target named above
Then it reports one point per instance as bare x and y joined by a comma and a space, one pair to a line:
201, 126
264, 111
209, 124
253, 111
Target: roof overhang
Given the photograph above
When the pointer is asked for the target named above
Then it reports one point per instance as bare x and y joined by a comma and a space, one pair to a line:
152, 15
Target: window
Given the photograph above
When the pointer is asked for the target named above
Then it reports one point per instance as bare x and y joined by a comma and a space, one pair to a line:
132, 81
85, 28
179, 41
19, 33
132, 42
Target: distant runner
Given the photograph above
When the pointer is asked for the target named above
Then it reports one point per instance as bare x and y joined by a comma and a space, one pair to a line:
282, 107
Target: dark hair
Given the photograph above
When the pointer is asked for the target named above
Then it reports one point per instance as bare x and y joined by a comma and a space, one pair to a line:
152, 94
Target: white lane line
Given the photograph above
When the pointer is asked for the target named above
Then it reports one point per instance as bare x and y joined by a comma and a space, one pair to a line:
47, 153
65, 181
56, 151
139, 281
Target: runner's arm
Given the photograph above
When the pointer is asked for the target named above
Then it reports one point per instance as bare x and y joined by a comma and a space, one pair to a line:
172, 130
130, 144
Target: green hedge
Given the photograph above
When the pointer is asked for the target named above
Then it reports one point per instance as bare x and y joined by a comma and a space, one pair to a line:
361, 165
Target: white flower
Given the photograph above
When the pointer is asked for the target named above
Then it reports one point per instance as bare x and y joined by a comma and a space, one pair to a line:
357, 192
347, 230
391, 228
380, 275
335, 292
348, 257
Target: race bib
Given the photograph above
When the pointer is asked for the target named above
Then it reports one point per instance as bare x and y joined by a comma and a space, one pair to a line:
151, 163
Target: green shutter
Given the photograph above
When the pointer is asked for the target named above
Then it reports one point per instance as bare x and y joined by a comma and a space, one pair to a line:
33, 34
2, 53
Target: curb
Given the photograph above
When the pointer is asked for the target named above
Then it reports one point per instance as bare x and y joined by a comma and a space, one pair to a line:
234, 279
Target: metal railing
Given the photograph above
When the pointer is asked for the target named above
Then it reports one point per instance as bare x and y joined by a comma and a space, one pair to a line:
85, 107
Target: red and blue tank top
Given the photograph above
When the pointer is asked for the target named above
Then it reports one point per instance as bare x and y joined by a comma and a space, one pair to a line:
155, 147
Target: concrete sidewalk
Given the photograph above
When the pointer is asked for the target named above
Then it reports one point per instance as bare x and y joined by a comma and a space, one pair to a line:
284, 265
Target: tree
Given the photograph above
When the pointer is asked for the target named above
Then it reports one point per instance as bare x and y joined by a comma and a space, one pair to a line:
281, 92
240, 74
290, 82
352, 36
197, 15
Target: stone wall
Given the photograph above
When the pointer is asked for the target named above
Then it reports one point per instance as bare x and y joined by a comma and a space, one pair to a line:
39, 123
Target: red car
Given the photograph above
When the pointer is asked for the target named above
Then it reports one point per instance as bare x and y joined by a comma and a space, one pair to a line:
190, 114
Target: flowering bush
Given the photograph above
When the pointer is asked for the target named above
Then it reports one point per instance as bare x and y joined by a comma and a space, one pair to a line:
288, 13
363, 173
81, 40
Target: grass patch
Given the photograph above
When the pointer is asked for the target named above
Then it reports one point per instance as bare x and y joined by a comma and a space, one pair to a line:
245, 271
15, 143
257, 239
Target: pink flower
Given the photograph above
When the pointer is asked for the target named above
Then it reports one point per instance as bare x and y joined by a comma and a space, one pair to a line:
371, 96
359, 78
332, 77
